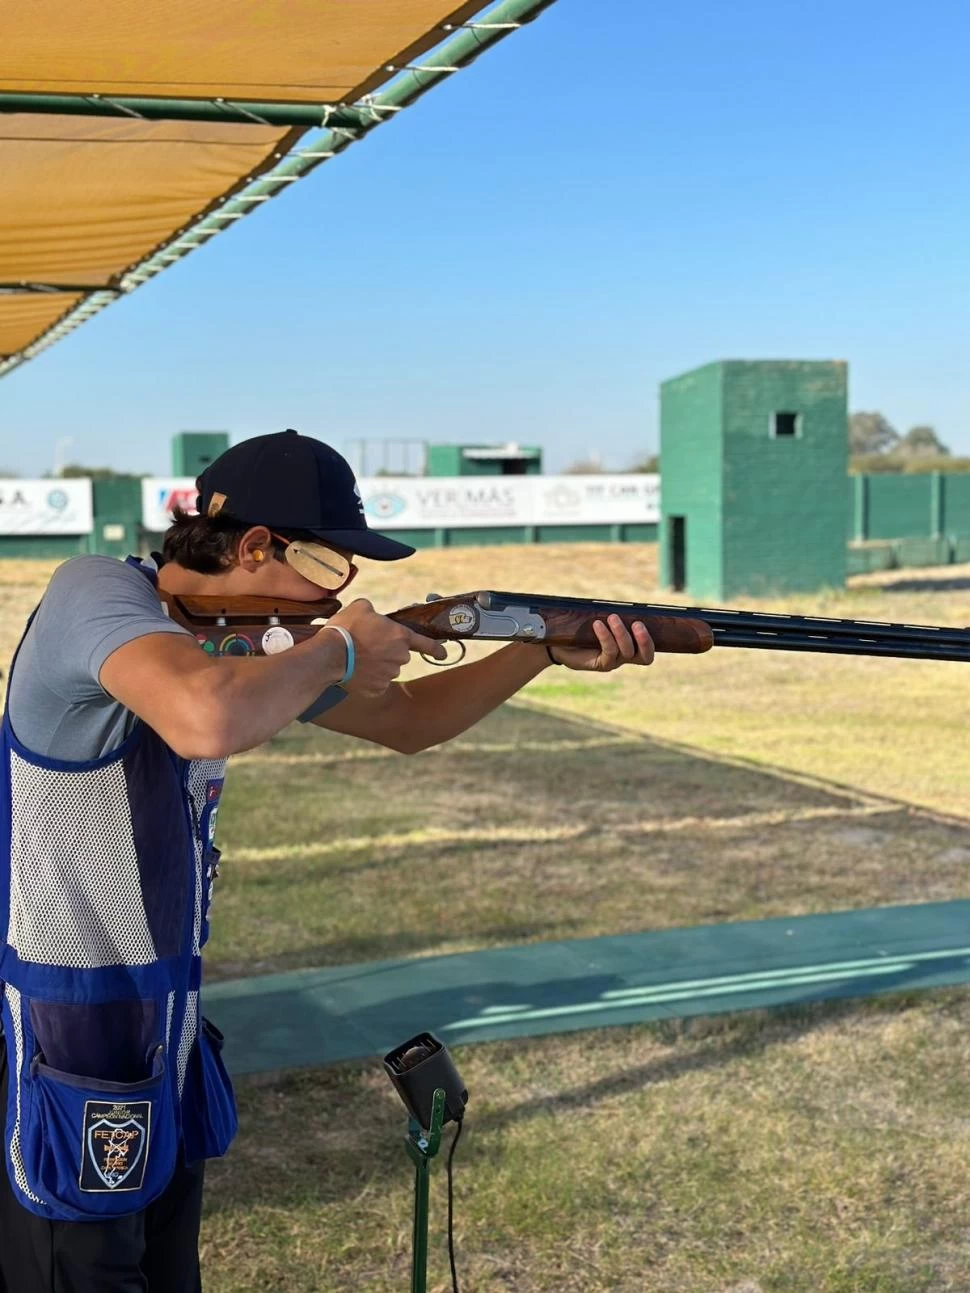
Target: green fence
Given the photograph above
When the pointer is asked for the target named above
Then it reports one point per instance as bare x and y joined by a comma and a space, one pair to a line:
926, 506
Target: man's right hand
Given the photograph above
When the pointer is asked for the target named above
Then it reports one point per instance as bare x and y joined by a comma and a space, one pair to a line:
382, 647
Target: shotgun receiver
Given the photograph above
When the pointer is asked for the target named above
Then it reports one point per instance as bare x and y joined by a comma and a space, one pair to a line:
258, 625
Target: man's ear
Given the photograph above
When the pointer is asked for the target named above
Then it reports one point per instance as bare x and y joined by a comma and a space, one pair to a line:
255, 548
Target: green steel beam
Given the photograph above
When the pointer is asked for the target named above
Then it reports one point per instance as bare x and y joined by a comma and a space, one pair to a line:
53, 289
234, 111
466, 41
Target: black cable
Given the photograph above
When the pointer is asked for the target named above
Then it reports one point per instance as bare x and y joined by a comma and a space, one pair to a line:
451, 1208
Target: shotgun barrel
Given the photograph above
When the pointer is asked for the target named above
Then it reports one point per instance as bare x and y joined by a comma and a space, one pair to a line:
768, 631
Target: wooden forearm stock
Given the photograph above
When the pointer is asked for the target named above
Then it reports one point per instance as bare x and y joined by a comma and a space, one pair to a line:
566, 626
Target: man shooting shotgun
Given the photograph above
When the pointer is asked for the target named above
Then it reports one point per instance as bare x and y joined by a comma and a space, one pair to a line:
118, 725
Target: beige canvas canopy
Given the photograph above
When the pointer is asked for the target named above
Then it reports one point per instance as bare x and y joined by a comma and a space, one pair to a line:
133, 127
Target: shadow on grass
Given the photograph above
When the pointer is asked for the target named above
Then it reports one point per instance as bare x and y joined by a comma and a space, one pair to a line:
911, 584
383, 945
338, 1132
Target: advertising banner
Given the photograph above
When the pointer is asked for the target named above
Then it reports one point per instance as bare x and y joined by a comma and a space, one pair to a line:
46, 507
453, 502
430, 502
597, 500
159, 497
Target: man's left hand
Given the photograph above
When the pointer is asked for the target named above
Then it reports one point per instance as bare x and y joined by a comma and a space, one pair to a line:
617, 645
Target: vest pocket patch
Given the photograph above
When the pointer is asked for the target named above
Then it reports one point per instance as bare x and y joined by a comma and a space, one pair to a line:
114, 1145
98, 1149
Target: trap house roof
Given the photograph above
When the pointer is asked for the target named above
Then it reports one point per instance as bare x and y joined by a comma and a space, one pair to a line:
132, 133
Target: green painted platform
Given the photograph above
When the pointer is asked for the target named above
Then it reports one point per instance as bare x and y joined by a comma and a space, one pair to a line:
319, 1017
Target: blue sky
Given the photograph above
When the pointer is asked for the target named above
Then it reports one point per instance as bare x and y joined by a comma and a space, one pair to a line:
615, 194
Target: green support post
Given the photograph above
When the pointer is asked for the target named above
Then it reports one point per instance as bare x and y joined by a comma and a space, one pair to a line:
860, 485
936, 504
422, 1146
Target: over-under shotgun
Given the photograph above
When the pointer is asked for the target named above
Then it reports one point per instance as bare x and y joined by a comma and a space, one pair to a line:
256, 625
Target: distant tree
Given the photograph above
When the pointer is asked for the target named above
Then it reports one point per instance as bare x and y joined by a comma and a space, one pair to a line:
650, 462
922, 442
869, 464
871, 433
584, 466
887, 463
9, 474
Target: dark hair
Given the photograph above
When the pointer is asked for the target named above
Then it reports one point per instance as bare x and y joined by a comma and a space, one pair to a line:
207, 544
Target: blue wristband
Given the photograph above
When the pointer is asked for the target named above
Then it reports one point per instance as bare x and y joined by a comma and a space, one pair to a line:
351, 654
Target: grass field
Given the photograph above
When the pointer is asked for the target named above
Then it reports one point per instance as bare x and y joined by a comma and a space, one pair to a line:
819, 1149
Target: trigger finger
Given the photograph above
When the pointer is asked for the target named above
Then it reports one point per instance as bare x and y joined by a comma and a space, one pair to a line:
427, 646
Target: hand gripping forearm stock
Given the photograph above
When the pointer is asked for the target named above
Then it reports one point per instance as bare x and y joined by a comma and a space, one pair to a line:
257, 625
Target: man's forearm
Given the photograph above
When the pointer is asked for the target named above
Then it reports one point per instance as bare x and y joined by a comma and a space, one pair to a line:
415, 715
445, 704
255, 698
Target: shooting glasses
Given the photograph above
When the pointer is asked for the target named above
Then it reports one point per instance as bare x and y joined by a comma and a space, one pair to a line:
322, 565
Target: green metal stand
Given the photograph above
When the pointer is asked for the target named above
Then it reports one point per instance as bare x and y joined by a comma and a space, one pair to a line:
422, 1146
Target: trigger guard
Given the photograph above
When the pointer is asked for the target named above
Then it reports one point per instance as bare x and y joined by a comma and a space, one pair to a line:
441, 664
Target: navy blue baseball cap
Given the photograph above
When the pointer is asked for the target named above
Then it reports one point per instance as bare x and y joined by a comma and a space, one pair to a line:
287, 482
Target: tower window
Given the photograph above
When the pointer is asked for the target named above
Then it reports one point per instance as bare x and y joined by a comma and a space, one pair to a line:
785, 424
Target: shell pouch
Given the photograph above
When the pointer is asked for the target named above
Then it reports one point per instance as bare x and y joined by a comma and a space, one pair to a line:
94, 1149
100, 1140
209, 1119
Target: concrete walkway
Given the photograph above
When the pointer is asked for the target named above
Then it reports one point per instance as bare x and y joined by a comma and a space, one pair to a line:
319, 1017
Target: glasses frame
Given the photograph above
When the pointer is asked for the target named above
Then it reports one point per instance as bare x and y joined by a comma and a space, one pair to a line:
353, 571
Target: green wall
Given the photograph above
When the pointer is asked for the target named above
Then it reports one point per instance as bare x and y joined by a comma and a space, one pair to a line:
762, 513
899, 507
783, 496
691, 484
922, 505
43, 545
955, 507
451, 460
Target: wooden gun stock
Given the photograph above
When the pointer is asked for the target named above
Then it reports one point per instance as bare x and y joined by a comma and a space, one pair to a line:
242, 625
254, 625
507, 617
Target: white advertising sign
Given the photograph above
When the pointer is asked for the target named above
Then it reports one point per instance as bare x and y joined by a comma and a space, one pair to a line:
159, 497
427, 502
597, 500
430, 502
453, 502
46, 507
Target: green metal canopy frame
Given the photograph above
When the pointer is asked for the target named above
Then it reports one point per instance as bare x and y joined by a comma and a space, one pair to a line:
340, 125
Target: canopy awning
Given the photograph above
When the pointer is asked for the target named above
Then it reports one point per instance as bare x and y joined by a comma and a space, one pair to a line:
129, 129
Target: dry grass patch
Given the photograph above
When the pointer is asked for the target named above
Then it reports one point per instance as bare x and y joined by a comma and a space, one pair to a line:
555, 829
823, 1149
817, 1151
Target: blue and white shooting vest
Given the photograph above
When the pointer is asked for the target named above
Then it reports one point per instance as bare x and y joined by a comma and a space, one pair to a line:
105, 880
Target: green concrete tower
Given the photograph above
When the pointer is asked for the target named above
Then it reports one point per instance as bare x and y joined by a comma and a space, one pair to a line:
753, 462
483, 460
192, 451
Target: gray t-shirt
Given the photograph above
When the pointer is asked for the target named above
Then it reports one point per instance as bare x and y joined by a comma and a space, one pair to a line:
92, 606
